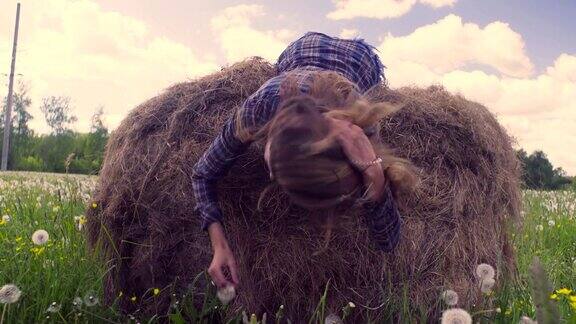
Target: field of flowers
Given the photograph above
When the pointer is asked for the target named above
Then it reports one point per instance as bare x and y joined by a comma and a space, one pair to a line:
47, 276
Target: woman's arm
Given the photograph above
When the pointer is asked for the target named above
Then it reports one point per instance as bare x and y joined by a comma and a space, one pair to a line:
383, 220
210, 168
213, 165
381, 211
223, 257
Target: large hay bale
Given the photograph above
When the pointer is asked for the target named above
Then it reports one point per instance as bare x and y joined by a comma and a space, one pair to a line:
152, 237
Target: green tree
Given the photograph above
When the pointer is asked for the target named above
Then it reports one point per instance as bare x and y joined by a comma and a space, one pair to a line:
89, 148
57, 112
20, 104
539, 173
97, 125
21, 134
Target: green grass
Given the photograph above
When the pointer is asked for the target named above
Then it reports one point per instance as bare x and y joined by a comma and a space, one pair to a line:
61, 270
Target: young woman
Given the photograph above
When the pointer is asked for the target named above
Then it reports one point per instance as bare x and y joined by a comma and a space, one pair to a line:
315, 126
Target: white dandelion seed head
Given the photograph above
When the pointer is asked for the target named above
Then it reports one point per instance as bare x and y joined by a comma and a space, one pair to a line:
91, 299
9, 294
226, 294
450, 297
551, 222
539, 227
485, 271
53, 308
486, 285
456, 316
40, 237
6, 218
77, 302
527, 320
351, 305
333, 319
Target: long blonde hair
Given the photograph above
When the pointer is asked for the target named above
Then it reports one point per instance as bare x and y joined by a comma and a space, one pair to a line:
306, 162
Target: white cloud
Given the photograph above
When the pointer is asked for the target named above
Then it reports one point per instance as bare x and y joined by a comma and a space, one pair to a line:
450, 44
348, 9
240, 39
349, 33
439, 3
539, 110
75, 48
564, 68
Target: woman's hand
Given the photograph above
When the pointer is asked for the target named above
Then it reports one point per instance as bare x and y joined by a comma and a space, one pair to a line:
357, 147
223, 258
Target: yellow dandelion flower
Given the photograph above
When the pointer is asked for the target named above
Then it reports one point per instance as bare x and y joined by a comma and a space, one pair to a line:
2, 222
94, 205
572, 298
564, 291
156, 291
554, 296
133, 299
37, 250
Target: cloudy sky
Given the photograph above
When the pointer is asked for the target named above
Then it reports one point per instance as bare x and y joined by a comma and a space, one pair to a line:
518, 57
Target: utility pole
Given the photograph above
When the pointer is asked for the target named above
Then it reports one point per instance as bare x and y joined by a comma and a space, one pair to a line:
8, 115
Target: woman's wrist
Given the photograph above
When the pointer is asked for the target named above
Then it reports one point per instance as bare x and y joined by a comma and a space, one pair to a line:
217, 237
375, 182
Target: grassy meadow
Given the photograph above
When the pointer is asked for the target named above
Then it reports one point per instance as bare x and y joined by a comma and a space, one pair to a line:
60, 283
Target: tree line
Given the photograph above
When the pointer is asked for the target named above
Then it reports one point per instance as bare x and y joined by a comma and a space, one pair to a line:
539, 173
64, 150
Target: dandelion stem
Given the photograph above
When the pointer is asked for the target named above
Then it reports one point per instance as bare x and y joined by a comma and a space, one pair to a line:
100, 317
483, 312
3, 312
62, 317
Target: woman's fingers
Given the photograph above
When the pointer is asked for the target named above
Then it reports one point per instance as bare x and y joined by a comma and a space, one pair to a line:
357, 147
218, 276
233, 272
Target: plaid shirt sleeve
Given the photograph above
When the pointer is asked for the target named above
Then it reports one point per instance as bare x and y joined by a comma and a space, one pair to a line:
383, 220
211, 166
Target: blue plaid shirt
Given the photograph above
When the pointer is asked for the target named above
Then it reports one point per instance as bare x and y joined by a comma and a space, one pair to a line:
313, 52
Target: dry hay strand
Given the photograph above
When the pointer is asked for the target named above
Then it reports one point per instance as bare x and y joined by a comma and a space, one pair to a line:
146, 229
